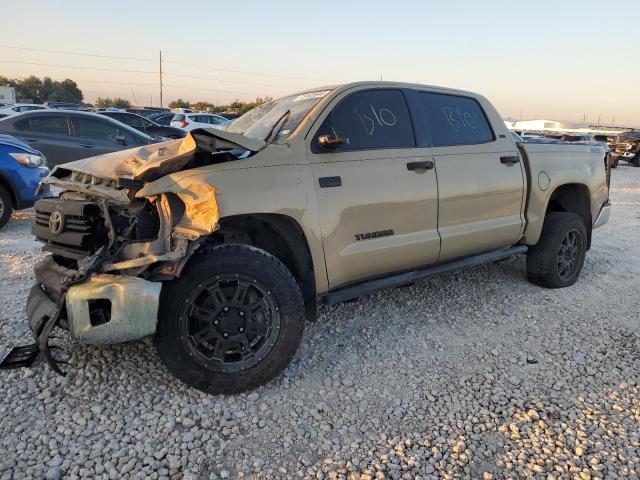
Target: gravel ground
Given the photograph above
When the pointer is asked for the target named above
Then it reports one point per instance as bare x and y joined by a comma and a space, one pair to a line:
470, 375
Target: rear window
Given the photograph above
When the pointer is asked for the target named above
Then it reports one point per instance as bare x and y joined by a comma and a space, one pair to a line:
178, 118
49, 124
453, 120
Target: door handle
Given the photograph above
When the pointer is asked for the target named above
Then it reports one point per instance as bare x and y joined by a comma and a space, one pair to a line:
326, 182
425, 165
30, 140
509, 159
86, 145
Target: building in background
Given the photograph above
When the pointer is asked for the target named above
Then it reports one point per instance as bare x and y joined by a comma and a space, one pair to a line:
544, 125
7, 95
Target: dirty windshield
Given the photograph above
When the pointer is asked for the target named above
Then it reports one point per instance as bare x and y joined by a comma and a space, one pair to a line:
258, 122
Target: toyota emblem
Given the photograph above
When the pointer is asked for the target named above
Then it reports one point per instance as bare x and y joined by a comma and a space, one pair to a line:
56, 223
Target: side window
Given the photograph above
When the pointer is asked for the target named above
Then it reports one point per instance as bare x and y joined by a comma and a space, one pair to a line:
52, 124
133, 120
453, 120
368, 120
98, 130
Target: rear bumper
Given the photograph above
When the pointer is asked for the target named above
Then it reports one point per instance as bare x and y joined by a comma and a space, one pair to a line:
603, 215
103, 309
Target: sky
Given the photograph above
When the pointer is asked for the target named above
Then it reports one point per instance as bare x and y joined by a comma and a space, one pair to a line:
561, 60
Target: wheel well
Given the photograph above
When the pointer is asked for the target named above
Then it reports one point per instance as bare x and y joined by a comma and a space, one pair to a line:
282, 237
573, 198
9, 188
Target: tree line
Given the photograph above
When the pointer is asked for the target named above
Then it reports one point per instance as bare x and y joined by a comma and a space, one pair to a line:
235, 106
43, 90
38, 90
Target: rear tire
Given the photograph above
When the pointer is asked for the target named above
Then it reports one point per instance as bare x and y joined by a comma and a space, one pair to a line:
232, 321
6, 207
557, 259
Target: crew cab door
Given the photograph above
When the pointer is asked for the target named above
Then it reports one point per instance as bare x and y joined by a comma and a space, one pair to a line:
481, 178
377, 194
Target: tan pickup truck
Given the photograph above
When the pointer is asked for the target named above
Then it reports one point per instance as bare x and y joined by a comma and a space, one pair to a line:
219, 245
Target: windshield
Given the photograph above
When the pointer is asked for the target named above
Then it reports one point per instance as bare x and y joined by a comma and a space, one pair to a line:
258, 122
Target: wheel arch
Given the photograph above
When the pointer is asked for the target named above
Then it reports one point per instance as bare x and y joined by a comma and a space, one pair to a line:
283, 237
572, 198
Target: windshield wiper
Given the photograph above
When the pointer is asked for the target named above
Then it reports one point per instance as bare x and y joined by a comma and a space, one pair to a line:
274, 131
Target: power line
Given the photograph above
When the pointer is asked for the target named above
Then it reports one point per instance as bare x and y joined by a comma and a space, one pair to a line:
185, 87
75, 66
228, 81
246, 72
41, 50
20, 62
208, 67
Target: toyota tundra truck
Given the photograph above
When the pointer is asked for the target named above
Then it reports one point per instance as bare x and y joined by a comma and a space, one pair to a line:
219, 245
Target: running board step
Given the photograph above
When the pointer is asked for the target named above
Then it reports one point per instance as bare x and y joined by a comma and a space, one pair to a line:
367, 287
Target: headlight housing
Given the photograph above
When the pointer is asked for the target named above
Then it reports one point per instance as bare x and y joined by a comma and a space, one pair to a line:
29, 159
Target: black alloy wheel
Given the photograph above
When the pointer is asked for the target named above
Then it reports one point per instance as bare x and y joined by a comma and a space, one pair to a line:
232, 321
229, 323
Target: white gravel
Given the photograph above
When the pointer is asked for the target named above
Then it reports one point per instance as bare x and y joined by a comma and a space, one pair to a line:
471, 375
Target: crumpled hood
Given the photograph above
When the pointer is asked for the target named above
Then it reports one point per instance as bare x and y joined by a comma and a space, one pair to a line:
153, 161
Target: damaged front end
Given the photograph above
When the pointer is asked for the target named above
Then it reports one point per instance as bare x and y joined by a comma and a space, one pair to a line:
111, 247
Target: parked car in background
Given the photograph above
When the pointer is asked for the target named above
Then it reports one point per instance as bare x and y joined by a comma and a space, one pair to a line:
526, 135
628, 147
544, 140
145, 125
64, 135
145, 112
65, 105
21, 169
162, 118
189, 121
19, 108
574, 137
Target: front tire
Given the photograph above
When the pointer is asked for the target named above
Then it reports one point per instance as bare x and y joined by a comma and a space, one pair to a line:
6, 207
232, 322
557, 259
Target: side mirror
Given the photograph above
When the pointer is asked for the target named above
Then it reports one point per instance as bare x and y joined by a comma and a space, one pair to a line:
121, 139
331, 142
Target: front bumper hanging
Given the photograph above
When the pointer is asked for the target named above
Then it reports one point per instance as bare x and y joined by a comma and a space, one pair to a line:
48, 316
95, 308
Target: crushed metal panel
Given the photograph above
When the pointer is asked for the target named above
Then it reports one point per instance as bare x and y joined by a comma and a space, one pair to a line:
201, 213
156, 160
134, 309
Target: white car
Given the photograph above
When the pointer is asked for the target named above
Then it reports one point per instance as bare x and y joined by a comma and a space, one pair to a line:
19, 108
189, 121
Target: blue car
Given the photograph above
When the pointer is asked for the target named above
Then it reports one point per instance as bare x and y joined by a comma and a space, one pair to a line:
21, 169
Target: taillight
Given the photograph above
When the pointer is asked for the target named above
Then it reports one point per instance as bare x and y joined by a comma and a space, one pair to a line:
184, 123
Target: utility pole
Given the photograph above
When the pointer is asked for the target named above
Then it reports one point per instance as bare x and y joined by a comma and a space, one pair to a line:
161, 79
